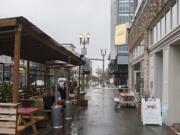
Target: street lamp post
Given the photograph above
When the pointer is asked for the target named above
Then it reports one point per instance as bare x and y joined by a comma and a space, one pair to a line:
84, 40
103, 54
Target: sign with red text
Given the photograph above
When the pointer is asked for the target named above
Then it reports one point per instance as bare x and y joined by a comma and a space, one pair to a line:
151, 112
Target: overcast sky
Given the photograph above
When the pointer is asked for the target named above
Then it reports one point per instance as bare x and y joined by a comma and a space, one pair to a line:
64, 20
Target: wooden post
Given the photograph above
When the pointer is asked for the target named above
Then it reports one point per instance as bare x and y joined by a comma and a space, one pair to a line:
46, 77
27, 75
67, 76
79, 87
56, 88
67, 83
17, 46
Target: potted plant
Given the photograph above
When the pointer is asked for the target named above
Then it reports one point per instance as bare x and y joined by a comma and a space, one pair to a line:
139, 95
33, 90
6, 93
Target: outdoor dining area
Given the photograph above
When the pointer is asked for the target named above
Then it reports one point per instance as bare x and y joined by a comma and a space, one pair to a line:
124, 98
22, 109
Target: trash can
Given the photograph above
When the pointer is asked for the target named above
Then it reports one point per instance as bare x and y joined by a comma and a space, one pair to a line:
57, 116
68, 110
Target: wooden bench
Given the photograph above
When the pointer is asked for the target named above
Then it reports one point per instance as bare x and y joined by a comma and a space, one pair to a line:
23, 127
36, 118
47, 110
8, 118
30, 123
24, 122
124, 99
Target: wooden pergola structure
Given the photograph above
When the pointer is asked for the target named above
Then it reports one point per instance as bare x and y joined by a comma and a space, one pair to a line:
20, 39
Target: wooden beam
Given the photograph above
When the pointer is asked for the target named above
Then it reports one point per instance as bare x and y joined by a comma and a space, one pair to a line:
17, 46
27, 75
6, 35
44, 40
53, 45
8, 22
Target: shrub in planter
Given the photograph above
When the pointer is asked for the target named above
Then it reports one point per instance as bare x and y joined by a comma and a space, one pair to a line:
142, 94
6, 93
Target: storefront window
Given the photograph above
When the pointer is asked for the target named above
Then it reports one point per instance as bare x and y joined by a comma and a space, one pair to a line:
8, 70
36, 77
138, 81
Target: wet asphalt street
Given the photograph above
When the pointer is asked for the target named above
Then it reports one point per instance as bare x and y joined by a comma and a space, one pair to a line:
100, 118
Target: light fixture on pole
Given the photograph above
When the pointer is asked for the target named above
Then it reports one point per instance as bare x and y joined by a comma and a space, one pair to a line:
103, 54
84, 40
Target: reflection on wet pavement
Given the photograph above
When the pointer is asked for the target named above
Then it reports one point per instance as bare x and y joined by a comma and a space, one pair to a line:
100, 118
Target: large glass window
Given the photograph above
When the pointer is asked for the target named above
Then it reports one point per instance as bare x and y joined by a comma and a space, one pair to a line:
174, 16
158, 31
163, 31
132, 7
123, 19
168, 21
122, 48
123, 6
154, 35
138, 50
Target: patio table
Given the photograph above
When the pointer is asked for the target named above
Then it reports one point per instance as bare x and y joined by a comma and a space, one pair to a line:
127, 98
25, 114
124, 98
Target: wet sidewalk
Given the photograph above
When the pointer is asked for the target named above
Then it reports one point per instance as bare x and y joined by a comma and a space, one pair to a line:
100, 118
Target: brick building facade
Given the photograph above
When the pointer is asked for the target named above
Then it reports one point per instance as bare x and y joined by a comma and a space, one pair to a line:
154, 40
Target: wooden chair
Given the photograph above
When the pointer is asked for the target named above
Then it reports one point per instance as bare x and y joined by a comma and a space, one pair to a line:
8, 118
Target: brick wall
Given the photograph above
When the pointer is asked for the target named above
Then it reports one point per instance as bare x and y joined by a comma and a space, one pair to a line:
147, 13
146, 61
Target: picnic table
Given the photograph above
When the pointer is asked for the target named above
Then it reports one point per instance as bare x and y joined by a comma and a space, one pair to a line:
26, 119
125, 99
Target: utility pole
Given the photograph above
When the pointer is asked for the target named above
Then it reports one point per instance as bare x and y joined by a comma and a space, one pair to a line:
103, 54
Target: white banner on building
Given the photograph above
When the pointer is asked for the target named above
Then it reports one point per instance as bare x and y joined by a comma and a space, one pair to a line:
151, 112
